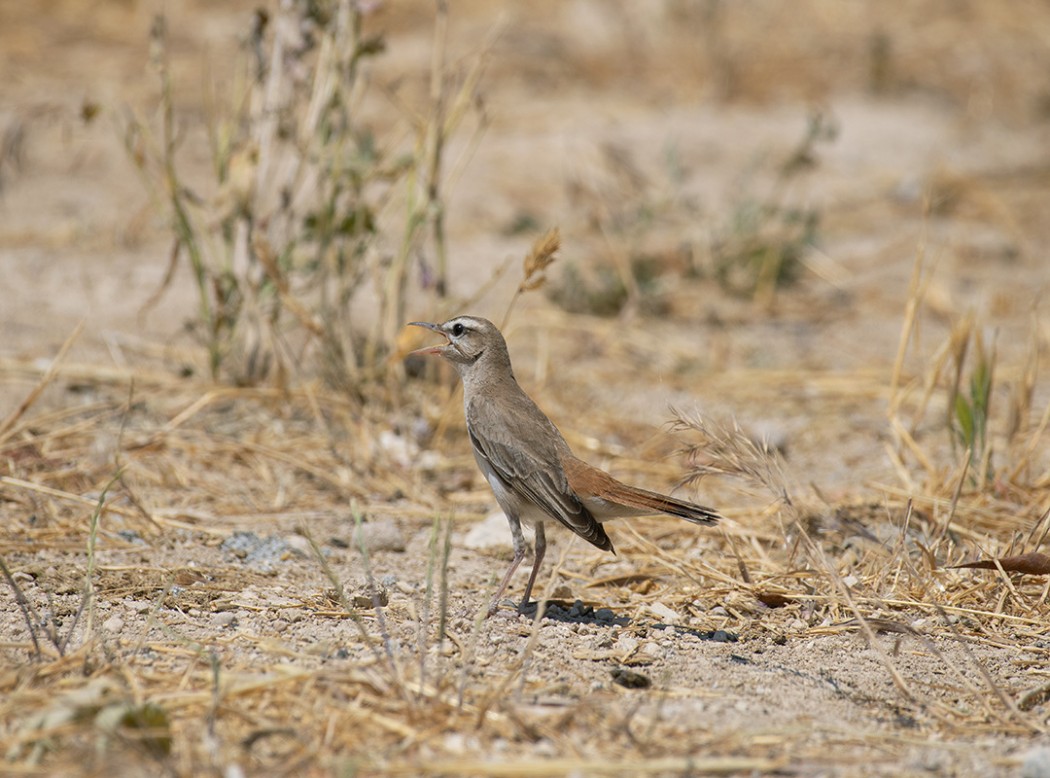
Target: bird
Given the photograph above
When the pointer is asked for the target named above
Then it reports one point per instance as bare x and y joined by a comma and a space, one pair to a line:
527, 462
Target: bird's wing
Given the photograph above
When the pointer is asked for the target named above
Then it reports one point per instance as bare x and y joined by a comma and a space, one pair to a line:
529, 464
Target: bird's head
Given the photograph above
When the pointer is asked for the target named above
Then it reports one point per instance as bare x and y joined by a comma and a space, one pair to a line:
468, 339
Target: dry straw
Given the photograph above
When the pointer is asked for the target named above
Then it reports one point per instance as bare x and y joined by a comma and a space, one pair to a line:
947, 565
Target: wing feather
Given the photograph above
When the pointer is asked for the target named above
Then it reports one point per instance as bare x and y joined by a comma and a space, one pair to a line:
529, 464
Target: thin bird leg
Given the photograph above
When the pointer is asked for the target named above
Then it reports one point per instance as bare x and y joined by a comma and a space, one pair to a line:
519, 554
541, 549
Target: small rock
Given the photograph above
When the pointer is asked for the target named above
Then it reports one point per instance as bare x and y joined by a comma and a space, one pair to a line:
226, 619
627, 644
429, 461
131, 536
402, 450
379, 536
601, 642
299, 544
1036, 763
261, 554
368, 597
279, 625
490, 532
456, 743
545, 748
651, 650
113, 624
604, 614
576, 609
629, 679
662, 612
291, 615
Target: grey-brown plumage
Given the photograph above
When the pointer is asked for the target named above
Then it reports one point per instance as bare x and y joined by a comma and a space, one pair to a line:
533, 473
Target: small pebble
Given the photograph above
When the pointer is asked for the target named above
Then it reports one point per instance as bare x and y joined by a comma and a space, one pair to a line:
490, 532
113, 624
662, 612
279, 625
629, 679
291, 615
226, 619
379, 536
131, 536
627, 644
1036, 763
402, 450
299, 544
369, 598
651, 650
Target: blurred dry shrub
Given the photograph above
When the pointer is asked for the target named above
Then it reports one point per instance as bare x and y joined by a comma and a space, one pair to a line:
302, 258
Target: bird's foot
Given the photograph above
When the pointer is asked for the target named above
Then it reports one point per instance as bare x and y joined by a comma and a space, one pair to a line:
529, 609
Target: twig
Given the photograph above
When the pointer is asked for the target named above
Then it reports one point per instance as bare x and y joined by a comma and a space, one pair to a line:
49, 375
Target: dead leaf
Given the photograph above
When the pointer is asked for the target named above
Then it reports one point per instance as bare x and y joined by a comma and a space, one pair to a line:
773, 599
1032, 563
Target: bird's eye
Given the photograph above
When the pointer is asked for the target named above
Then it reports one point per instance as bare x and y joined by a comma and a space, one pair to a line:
458, 329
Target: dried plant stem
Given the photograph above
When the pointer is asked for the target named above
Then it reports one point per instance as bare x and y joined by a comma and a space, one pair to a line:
955, 496
88, 597
540, 257
829, 569
48, 376
917, 287
32, 618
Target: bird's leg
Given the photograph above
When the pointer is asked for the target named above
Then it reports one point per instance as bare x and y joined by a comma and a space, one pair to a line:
519, 554
541, 549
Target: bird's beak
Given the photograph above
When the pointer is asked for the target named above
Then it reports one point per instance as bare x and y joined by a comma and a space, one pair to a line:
430, 349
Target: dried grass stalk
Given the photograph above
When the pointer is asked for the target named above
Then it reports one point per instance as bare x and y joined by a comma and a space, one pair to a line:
725, 449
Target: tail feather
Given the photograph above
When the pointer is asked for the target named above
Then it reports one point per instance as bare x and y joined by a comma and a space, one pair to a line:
609, 498
660, 503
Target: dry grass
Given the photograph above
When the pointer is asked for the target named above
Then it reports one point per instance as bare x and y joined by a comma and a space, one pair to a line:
137, 465
301, 242
138, 640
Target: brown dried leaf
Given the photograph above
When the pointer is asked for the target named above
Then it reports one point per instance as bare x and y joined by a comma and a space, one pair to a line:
773, 599
1032, 563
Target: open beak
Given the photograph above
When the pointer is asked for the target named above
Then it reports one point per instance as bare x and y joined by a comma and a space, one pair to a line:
430, 349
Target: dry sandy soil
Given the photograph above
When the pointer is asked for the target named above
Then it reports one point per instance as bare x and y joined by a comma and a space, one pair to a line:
197, 632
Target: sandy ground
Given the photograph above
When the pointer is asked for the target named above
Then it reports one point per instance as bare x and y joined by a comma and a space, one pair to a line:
944, 157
